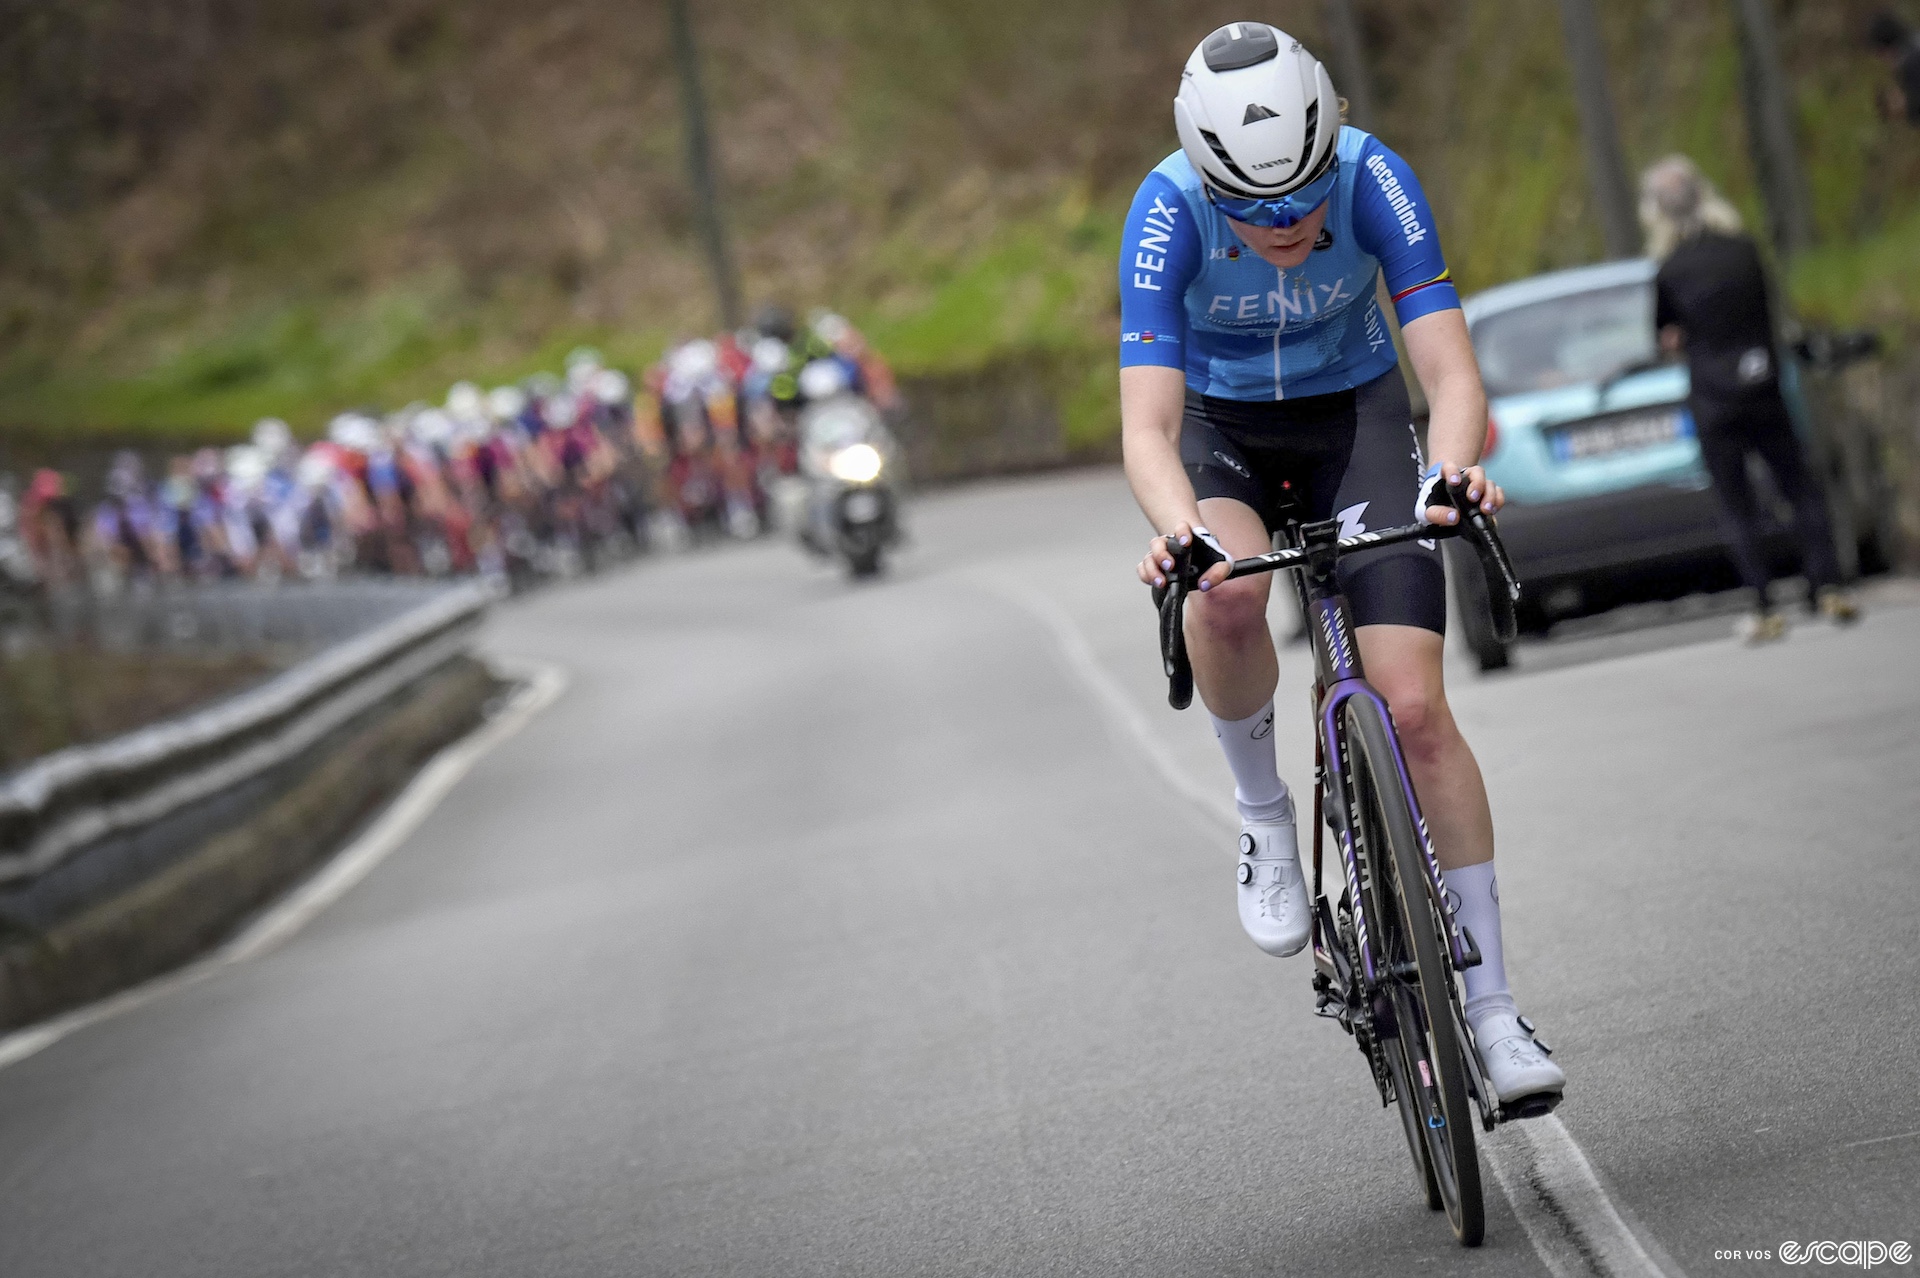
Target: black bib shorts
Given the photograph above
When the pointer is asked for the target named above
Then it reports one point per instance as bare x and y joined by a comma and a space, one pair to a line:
1353, 455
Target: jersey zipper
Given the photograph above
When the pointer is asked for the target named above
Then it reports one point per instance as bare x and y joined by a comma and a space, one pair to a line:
1278, 392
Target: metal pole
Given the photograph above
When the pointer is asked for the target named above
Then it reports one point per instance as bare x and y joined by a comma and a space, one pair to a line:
700, 165
1606, 166
1776, 152
1355, 81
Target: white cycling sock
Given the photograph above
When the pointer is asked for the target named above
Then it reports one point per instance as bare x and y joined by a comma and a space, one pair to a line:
1258, 791
1477, 907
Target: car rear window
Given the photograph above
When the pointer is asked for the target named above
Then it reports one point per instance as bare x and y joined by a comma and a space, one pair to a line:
1584, 337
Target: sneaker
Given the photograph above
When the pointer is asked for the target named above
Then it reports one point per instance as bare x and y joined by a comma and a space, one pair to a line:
1762, 627
1837, 605
1514, 1062
1273, 893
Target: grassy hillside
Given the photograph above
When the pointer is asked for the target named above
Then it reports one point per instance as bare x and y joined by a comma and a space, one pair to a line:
212, 210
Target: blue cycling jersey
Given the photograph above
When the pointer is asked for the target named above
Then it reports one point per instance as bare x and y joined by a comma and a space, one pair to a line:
1193, 297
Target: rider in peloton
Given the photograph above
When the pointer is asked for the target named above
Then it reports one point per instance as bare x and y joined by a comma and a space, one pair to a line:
1255, 364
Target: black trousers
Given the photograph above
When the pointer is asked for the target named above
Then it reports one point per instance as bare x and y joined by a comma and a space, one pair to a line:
1730, 430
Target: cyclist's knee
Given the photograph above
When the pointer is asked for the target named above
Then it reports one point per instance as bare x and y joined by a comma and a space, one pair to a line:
1421, 717
1233, 613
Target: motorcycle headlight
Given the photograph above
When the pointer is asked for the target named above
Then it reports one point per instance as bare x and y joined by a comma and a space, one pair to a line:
855, 464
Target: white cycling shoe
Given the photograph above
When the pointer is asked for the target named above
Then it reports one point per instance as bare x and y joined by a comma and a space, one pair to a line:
1515, 1064
1273, 894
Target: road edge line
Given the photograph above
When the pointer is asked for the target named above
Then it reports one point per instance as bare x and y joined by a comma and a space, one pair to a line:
540, 686
1122, 715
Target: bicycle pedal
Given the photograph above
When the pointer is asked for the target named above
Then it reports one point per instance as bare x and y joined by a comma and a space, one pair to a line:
1539, 1105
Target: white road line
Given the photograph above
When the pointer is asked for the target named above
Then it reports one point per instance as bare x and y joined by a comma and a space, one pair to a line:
1560, 1203
1121, 711
1556, 1195
541, 685
1879, 1140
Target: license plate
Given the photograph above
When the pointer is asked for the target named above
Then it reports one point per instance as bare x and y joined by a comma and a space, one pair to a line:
863, 507
1623, 434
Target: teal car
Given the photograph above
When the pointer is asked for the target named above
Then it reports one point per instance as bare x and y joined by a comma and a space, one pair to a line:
1608, 500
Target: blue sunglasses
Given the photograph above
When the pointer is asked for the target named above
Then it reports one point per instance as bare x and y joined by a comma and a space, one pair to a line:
1283, 210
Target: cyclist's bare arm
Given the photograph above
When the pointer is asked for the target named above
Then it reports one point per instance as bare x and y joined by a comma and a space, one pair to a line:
1442, 358
1152, 401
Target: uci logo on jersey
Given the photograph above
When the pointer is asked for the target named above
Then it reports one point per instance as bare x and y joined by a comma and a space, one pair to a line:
1146, 337
1229, 254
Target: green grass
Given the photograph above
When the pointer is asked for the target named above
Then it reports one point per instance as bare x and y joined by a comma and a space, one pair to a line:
305, 360
957, 241
1872, 283
1041, 286
1044, 282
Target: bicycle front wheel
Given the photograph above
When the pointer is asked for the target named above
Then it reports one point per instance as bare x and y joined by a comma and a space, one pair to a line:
1416, 973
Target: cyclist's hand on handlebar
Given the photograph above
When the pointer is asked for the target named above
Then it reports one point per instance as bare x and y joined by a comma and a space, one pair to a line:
1433, 507
1158, 565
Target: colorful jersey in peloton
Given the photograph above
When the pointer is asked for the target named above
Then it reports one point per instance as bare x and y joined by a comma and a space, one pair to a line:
1193, 297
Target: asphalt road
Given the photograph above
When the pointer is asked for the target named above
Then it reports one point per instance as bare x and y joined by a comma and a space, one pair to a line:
822, 928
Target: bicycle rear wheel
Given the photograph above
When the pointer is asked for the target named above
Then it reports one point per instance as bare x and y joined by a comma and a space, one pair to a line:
1412, 1123
1406, 944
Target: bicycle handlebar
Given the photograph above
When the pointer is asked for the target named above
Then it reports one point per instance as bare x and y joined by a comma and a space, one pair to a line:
1503, 587
1192, 561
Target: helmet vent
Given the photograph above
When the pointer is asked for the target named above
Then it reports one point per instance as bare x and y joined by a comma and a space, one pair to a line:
1239, 44
1220, 153
1256, 113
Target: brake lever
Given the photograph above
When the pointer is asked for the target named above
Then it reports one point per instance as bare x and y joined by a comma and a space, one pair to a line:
1170, 601
1503, 586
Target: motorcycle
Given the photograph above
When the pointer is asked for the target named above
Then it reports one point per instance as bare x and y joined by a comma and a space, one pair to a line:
854, 475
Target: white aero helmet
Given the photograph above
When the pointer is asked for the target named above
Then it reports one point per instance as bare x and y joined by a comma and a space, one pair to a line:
611, 387
272, 437
1256, 113
355, 431
465, 402
505, 403
823, 379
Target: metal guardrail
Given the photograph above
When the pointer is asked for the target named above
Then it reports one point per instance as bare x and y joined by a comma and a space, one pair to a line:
53, 808
224, 615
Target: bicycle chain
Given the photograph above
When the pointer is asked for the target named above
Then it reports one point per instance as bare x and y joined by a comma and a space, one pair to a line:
1360, 1020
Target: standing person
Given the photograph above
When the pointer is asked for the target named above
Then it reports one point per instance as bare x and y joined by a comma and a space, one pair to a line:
1895, 43
1254, 358
1711, 302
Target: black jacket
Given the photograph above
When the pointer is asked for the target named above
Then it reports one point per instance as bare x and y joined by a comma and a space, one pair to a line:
1714, 288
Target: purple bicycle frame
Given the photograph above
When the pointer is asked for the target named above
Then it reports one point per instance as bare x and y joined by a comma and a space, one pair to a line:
1339, 679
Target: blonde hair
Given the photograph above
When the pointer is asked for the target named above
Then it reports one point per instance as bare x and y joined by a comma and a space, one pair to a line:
1678, 202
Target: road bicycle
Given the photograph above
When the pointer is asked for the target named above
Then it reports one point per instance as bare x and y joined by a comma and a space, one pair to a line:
1385, 954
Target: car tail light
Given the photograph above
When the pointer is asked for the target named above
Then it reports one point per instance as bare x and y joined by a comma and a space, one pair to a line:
1493, 438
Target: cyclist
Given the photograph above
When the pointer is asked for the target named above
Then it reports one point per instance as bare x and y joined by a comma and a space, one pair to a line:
1255, 365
